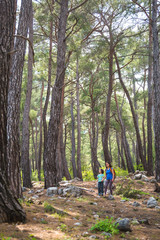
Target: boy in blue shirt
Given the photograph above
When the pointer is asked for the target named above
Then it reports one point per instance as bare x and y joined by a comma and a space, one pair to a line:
100, 182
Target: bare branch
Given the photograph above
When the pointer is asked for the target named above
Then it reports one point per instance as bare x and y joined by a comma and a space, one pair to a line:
72, 9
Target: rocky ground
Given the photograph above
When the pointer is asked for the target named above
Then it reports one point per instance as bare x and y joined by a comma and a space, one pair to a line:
76, 207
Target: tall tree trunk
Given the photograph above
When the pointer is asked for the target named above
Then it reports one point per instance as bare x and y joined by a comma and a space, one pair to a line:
40, 137
150, 101
140, 148
108, 104
135, 106
123, 165
73, 141
93, 134
156, 80
143, 120
36, 142
59, 155
14, 97
110, 148
119, 152
79, 172
125, 142
50, 171
10, 209
65, 167
25, 124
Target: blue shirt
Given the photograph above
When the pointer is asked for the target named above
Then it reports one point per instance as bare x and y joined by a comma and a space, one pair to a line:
109, 174
100, 177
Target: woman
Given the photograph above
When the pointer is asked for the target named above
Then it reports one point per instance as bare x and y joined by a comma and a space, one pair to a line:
109, 175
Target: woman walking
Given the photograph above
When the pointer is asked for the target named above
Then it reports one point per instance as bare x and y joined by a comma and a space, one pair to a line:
109, 175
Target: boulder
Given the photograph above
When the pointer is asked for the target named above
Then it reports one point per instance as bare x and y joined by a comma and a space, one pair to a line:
144, 178
60, 191
51, 191
152, 203
153, 180
137, 176
110, 197
31, 191
123, 224
136, 204
136, 172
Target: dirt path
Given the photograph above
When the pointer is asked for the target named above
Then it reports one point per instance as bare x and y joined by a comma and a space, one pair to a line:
83, 211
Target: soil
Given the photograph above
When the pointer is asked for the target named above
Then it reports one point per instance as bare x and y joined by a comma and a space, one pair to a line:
46, 226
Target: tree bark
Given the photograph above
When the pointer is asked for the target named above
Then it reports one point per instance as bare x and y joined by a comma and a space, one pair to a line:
25, 123
136, 108
150, 101
10, 209
156, 80
65, 167
79, 172
140, 148
124, 138
40, 137
123, 165
50, 171
73, 140
107, 156
119, 152
14, 97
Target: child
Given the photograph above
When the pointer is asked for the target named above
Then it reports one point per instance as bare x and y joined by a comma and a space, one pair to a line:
100, 182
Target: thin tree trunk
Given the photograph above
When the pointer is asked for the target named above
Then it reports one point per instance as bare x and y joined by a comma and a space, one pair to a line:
79, 172
10, 209
36, 142
150, 101
50, 171
143, 120
119, 152
40, 137
65, 167
14, 97
125, 142
73, 140
123, 165
156, 80
25, 124
140, 148
135, 106
107, 156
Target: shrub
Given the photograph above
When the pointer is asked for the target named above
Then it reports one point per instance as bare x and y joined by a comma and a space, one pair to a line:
128, 192
107, 225
88, 175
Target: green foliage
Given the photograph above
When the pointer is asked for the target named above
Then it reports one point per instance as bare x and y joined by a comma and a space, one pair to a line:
31, 237
4, 238
63, 227
128, 192
140, 182
107, 225
88, 175
34, 176
50, 209
140, 167
44, 221
120, 172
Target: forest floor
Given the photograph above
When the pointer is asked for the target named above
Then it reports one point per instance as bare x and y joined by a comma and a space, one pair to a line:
42, 225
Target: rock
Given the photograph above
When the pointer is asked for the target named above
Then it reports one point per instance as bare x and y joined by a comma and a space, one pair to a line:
73, 189
93, 236
135, 222
74, 194
151, 203
143, 221
30, 192
35, 219
93, 203
136, 172
136, 204
107, 234
76, 179
85, 234
137, 176
123, 200
144, 202
96, 216
110, 197
153, 180
24, 189
144, 178
77, 224
157, 207
123, 224
35, 197
60, 191
51, 191
130, 174
39, 190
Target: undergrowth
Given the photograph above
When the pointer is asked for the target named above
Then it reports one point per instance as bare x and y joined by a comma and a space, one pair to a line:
107, 225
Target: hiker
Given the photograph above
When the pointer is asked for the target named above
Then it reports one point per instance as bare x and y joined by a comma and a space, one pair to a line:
109, 176
100, 182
